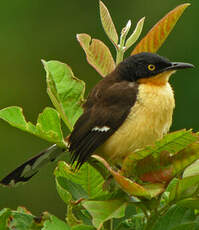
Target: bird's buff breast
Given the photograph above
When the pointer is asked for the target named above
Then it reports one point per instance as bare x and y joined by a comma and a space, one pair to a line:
149, 119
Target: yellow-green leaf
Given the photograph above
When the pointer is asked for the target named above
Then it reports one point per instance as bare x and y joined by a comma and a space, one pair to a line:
48, 125
102, 211
55, 223
166, 166
108, 24
136, 34
171, 144
97, 53
22, 219
158, 34
176, 218
186, 187
154, 189
185, 158
189, 203
125, 183
86, 183
65, 91
193, 169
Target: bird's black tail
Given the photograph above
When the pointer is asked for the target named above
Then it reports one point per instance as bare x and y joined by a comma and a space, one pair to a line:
28, 169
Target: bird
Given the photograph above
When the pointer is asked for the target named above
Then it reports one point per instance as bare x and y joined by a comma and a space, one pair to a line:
130, 108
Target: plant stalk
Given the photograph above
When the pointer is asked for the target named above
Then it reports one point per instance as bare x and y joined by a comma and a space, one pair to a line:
151, 222
120, 54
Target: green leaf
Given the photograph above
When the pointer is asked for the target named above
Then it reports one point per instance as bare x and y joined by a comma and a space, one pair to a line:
183, 188
130, 213
167, 166
62, 189
192, 170
71, 219
86, 183
65, 91
91, 180
4, 216
63, 193
97, 53
20, 219
82, 214
48, 125
185, 158
159, 33
187, 226
175, 218
154, 189
83, 227
54, 223
108, 24
170, 144
66, 187
170, 191
136, 34
186, 187
125, 31
102, 211
136, 222
129, 186
74, 189
189, 203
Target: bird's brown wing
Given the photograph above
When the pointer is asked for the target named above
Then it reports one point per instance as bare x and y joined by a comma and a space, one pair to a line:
101, 118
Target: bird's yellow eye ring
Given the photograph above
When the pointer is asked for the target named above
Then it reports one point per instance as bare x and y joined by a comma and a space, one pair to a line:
151, 67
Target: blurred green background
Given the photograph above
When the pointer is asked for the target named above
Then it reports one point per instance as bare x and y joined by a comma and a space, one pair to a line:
41, 29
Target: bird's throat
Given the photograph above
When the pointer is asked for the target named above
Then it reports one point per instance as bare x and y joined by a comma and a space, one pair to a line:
158, 80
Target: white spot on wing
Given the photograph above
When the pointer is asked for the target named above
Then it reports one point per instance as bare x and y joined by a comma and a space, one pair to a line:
131, 84
101, 129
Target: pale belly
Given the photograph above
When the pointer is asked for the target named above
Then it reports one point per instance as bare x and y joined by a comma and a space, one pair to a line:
150, 118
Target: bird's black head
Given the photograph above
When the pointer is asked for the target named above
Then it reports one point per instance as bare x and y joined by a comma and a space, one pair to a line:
146, 65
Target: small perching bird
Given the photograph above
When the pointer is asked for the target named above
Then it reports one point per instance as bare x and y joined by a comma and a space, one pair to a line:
129, 109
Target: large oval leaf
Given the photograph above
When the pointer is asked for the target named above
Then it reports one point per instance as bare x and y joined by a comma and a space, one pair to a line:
102, 211
135, 35
86, 183
48, 125
97, 53
108, 24
130, 187
158, 34
65, 91
160, 154
177, 218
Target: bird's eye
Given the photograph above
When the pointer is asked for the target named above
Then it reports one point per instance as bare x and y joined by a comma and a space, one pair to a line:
151, 67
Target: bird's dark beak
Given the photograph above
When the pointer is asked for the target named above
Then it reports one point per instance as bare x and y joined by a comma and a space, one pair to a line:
179, 65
